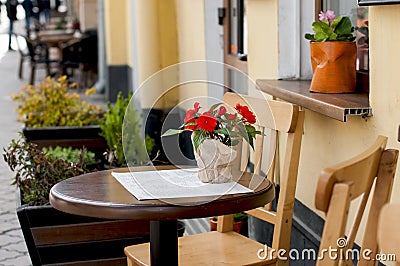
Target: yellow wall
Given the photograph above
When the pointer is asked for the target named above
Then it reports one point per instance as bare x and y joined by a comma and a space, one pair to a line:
157, 48
129, 34
327, 141
168, 32
384, 76
191, 42
116, 31
262, 19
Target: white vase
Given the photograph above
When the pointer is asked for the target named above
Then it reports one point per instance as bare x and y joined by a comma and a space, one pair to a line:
214, 161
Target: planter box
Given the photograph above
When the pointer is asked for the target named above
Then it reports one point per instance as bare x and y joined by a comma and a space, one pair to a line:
54, 237
76, 137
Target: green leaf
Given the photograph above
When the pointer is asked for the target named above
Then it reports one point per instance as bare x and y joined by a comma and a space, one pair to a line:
344, 26
320, 27
171, 132
335, 22
251, 142
321, 37
224, 131
198, 137
333, 37
234, 142
215, 106
243, 133
309, 36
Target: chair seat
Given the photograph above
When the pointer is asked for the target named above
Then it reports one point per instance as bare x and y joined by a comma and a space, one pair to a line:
211, 248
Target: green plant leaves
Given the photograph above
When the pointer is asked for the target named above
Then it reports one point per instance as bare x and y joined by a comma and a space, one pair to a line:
52, 103
344, 26
339, 30
198, 137
122, 122
36, 172
310, 37
171, 132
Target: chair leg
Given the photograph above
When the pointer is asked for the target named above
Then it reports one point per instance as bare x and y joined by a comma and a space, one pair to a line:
48, 69
20, 68
33, 69
81, 77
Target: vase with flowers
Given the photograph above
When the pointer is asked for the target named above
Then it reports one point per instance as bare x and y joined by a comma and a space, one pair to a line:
215, 134
333, 54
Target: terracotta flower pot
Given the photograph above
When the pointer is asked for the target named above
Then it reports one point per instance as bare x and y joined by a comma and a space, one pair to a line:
334, 67
237, 226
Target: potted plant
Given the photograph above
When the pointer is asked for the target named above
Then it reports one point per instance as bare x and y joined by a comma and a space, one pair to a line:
215, 133
55, 116
112, 129
55, 237
239, 220
333, 54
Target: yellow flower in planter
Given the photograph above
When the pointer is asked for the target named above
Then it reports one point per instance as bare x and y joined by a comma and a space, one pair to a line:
51, 103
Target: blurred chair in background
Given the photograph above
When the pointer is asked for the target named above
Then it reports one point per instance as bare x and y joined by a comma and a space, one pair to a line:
82, 55
36, 53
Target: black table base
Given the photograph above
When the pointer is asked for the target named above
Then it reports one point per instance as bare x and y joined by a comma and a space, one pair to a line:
163, 243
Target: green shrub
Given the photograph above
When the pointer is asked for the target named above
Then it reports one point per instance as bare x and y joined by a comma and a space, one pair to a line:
69, 154
52, 104
111, 127
36, 172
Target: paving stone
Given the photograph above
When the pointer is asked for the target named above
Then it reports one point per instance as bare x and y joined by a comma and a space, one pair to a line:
19, 247
7, 254
6, 240
17, 261
7, 227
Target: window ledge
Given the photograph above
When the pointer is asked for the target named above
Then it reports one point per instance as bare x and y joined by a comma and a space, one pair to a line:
337, 106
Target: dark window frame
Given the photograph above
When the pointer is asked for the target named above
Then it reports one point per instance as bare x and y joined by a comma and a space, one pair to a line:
377, 2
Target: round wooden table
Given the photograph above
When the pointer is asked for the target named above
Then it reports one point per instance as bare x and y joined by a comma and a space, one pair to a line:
100, 195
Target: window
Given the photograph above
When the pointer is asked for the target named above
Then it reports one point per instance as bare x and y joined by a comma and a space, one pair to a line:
235, 43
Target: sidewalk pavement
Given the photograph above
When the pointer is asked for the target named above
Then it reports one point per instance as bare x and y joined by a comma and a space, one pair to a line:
13, 251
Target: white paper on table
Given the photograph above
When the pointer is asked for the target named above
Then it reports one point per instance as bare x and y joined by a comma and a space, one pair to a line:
179, 183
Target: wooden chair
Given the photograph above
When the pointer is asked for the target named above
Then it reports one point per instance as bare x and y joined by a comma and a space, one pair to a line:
36, 53
225, 246
340, 185
388, 232
81, 54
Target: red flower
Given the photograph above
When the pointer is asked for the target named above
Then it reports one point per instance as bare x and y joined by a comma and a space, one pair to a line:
231, 116
189, 115
246, 113
196, 106
207, 122
191, 112
191, 127
221, 111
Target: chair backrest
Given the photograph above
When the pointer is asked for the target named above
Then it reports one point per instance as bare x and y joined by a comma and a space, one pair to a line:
22, 45
341, 184
388, 232
272, 117
30, 48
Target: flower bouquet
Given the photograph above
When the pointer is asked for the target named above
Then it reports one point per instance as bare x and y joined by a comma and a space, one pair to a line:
215, 133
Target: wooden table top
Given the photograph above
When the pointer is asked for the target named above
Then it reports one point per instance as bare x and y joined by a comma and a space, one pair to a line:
43, 33
99, 194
